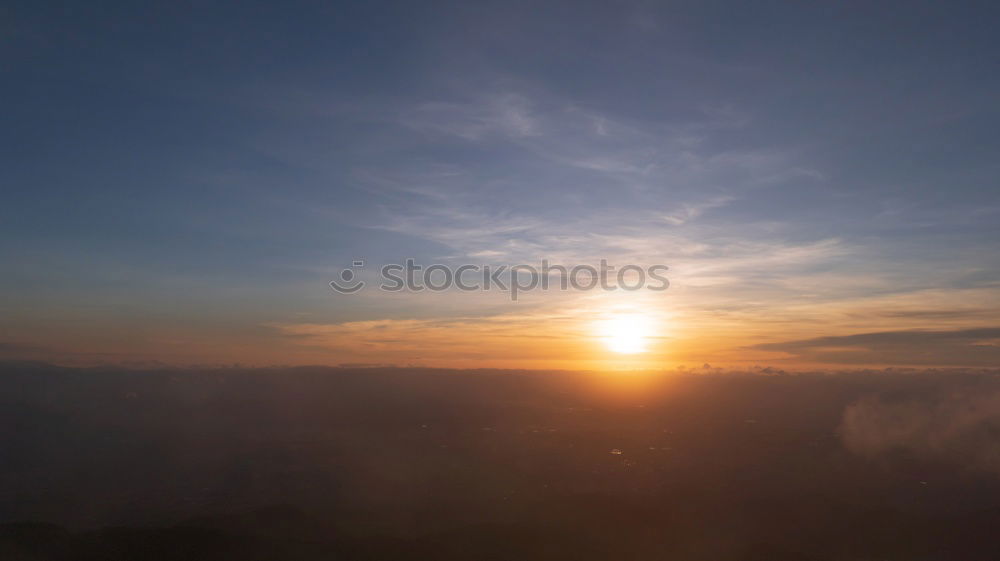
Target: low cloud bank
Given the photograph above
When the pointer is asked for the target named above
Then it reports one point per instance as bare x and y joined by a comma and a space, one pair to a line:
956, 427
963, 347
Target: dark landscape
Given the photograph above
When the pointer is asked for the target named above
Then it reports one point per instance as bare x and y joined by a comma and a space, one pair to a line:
397, 463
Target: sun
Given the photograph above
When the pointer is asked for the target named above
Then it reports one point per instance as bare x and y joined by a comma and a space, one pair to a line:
626, 333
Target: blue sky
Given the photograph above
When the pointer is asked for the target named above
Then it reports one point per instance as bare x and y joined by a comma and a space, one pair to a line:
176, 172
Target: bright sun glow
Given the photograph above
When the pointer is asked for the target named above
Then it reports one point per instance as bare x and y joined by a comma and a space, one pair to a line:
626, 334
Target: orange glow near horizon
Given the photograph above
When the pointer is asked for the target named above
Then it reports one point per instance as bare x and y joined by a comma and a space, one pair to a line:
615, 332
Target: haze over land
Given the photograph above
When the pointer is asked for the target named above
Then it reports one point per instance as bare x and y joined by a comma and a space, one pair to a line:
320, 463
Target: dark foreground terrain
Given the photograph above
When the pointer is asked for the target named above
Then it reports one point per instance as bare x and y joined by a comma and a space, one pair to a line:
383, 464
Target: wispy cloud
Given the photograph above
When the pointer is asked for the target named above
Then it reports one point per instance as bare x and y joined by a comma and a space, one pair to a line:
495, 115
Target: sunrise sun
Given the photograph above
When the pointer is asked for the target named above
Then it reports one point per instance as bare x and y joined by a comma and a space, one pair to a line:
626, 333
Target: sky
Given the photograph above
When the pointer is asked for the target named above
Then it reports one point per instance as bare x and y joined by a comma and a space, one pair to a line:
182, 181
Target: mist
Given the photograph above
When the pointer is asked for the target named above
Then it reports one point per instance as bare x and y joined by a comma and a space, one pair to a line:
398, 463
